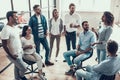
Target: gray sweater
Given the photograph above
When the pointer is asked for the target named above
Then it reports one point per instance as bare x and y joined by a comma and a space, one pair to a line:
103, 36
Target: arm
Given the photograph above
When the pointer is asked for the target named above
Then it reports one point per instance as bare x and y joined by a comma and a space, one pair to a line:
74, 25
100, 68
77, 24
107, 35
61, 25
14, 56
45, 25
27, 47
50, 25
30, 23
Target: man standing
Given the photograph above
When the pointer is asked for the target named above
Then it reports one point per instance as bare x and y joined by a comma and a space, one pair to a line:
12, 45
72, 21
38, 25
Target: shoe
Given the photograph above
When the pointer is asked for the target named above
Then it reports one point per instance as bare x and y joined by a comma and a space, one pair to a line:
43, 65
70, 72
64, 61
56, 59
23, 78
48, 63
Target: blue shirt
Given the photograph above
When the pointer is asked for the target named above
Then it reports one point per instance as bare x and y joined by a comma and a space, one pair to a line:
86, 39
108, 67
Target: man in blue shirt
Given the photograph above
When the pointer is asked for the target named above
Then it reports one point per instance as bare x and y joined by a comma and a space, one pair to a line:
84, 49
38, 25
108, 67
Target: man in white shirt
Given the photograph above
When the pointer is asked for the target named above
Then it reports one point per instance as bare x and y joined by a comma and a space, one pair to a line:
72, 21
12, 45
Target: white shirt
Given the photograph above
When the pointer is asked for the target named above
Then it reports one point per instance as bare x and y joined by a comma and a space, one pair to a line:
74, 19
55, 27
26, 42
11, 34
39, 20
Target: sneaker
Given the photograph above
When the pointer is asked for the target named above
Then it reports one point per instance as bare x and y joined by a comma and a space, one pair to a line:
43, 65
42, 77
48, 63
23, 78
56, 59
70, 72
64, 60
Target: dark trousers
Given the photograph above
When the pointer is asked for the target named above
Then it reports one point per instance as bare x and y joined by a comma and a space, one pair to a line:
44, 42
70, 37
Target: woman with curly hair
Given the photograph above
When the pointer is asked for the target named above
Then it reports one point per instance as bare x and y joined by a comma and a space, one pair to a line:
104, 34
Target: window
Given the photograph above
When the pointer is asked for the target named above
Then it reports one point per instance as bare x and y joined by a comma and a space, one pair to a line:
4, 8
102, 5
87, 5
34, 2
21, 7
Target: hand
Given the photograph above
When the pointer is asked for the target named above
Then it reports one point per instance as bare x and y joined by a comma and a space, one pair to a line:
63, 33
78, 53
71, 25
30, 46
14, 56
93, 44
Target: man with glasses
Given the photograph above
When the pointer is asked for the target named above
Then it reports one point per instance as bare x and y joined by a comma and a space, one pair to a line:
38, 25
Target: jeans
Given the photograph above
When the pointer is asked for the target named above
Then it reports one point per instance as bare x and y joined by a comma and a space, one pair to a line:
101, 54
88, 74
44, 42
20, 66
77, 59
70, 37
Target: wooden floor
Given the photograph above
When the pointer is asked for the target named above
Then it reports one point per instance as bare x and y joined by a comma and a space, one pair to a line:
56, 72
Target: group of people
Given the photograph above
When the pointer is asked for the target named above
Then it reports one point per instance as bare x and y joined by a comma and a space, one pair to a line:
28, 45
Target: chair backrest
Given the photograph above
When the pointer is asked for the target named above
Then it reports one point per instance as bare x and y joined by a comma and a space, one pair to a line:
105, 77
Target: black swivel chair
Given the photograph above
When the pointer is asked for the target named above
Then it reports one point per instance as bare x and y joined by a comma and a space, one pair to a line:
30, 69
105, 77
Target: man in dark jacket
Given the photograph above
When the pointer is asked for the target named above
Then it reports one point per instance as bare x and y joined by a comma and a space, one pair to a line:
38, 25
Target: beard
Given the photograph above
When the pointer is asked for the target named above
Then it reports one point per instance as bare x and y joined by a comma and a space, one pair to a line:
38, 13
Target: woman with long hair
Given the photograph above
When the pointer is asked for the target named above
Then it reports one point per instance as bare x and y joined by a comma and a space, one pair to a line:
29, 50
104, 34
55, 29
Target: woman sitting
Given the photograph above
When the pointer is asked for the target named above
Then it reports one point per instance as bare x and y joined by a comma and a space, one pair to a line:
29, 49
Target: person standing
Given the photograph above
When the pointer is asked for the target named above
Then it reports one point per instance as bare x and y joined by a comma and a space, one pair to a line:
55, 29
12, 45
38, 25
72, 21
104, 34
